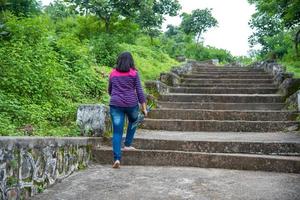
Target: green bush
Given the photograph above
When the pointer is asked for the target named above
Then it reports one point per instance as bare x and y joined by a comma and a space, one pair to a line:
244, 60
45, 74
292, 66
200, 52
105, 48
88, 27
125, 31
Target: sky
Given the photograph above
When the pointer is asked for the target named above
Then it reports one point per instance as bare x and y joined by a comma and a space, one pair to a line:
46, 2
232, 15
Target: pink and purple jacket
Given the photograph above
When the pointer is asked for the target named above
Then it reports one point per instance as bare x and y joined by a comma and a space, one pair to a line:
125, 89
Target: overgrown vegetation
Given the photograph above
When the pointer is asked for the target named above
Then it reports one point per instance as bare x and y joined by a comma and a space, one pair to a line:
277, 31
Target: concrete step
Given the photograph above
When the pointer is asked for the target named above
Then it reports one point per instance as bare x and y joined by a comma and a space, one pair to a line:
222, 98
195, 114
287, 164
228, 85
221, 67
247, 73
226, 81
227, 76
223, 90
221, 106
220, 142
274, 143
223, 70
217, 125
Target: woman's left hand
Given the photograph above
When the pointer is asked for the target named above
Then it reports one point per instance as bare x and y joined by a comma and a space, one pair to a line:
144, 109
145, 112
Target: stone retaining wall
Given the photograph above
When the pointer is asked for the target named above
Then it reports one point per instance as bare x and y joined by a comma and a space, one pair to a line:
30, 164
169, 78
293, 102
288, 85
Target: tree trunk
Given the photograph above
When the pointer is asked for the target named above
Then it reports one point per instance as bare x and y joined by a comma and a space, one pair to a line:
107, 24
297, 39
198, 38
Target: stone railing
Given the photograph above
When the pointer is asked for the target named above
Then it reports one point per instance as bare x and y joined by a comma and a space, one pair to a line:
171, 78
28, 165
288, 85
93, 119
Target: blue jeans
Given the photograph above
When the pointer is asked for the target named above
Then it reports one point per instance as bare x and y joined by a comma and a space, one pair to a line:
118, 117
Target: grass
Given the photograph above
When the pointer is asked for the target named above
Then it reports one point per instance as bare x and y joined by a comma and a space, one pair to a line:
149, 62
292, 66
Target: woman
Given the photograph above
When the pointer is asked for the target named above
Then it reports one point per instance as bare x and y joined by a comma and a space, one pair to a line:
126, 93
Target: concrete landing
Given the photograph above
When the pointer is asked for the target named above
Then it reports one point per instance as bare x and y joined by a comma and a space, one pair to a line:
155, 183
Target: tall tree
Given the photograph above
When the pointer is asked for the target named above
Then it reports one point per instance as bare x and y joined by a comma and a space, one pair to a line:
107, 10
198, 22
20, 7
265, 27
58, 9
147, 13
172, 31
288, 11
151, 15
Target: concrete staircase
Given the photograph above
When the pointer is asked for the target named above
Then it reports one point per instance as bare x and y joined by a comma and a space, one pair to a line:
230, 118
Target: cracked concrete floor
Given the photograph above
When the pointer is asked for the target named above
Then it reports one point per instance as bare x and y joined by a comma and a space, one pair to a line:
101, 182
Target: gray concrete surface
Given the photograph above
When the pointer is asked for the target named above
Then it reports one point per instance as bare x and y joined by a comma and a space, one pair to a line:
219, 136
138, 183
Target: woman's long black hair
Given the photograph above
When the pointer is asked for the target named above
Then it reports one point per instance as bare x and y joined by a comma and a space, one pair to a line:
125, 62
